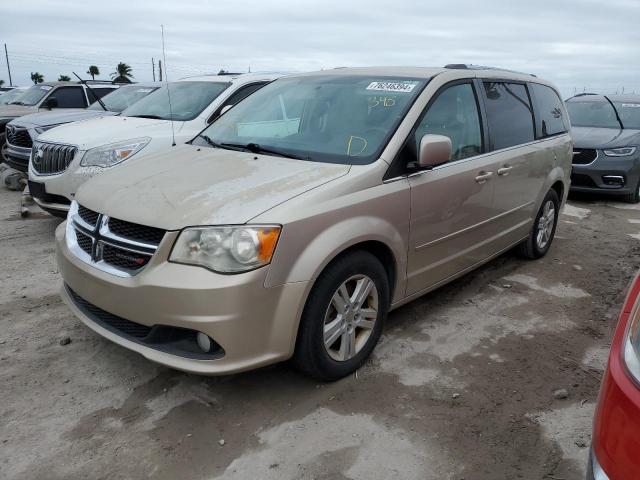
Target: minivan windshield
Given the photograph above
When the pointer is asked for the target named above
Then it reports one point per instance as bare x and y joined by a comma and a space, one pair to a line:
11, 96
122, 98
32, 95
344, 119
594, 112
188, 100
629, 113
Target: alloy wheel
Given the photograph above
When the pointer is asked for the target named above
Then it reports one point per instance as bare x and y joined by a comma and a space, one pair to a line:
350, 317
545, 225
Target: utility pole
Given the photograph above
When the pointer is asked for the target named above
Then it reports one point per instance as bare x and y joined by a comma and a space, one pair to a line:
8, 67
160, 70
153, 68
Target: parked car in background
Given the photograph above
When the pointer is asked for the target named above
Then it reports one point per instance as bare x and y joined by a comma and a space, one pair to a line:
616, 428
21, 132
3, 90
66, 157
291, 225
49, 96
606, 134
11, 95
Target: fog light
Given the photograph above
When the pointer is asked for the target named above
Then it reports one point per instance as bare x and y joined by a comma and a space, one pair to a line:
204, 342
613, 180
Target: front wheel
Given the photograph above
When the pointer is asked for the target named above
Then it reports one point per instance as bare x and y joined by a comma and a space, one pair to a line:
544, 228
633, 197
343, 317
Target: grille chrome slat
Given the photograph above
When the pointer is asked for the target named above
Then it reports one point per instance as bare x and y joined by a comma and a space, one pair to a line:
91, 239
52, 158
18, 137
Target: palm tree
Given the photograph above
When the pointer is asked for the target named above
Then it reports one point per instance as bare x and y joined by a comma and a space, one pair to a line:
36, 78
122, 73
1, 82
93, 71
64, 78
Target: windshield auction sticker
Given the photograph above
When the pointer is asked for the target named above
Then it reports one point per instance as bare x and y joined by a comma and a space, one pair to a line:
402, 87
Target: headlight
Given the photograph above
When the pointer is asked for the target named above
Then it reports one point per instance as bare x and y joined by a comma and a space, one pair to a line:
109, 155
620, 152
45, 128
230, 249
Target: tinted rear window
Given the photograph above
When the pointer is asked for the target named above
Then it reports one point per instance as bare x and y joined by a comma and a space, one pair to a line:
509, 114
550, 117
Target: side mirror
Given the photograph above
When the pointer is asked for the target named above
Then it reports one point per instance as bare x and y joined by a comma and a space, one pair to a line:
51, 102
225, 109
434, 150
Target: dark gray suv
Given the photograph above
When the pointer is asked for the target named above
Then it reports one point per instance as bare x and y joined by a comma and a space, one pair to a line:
606, 135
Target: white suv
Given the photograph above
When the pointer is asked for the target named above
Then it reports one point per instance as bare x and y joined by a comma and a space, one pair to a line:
67, 156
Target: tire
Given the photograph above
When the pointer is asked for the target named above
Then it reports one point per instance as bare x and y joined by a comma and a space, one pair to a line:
533, 247
633, 197
338, 356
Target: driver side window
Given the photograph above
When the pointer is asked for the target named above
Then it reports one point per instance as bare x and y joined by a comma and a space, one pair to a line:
454, 114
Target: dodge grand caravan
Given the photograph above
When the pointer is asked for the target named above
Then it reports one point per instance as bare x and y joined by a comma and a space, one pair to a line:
290, 226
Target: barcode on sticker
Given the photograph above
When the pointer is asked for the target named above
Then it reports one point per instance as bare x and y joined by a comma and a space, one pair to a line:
403, 87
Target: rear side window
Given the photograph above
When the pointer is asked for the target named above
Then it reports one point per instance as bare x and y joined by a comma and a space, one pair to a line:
550, 118
509, 114
70, 97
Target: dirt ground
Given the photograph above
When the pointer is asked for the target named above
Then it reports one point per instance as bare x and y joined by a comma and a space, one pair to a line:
461, 386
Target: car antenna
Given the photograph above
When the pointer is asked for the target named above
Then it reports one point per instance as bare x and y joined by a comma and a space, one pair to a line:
166, 79
94, 93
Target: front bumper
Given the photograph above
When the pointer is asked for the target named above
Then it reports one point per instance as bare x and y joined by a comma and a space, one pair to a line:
594, 470
254, 325
615, 440
54, 193
18, 157
611, 175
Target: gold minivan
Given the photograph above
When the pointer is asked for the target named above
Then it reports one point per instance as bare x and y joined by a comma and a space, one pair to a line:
294, 223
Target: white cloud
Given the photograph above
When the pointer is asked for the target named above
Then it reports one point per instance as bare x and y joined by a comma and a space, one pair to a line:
576, 43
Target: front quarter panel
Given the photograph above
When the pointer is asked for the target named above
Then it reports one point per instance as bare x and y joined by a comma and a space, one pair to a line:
323, 224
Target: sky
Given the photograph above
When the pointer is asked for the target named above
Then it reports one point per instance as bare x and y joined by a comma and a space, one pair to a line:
580, 45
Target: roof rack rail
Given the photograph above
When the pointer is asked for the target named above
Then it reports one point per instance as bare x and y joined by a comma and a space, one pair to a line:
465, 66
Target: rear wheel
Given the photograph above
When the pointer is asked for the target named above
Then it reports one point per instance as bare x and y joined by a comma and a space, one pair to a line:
544, 228
343, 317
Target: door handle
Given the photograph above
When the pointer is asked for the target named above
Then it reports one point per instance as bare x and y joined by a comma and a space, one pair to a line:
504, 171
483, 177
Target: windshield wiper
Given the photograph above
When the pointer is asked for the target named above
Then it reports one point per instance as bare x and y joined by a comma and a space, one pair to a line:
225, 146
153, 117
257, 148
616, 111
16, 103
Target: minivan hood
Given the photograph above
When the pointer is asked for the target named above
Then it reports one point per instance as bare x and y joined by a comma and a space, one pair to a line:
591, 137
105, 130
68, 115
188, 185
12, 111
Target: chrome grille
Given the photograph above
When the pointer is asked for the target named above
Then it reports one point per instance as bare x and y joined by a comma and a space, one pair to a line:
18, 137
90, 237
52, 158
